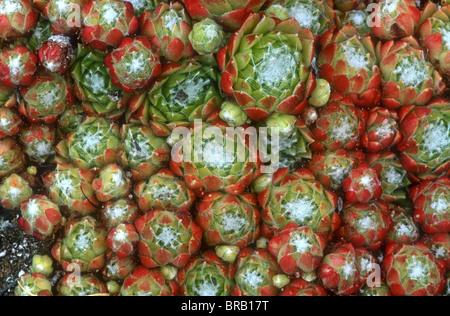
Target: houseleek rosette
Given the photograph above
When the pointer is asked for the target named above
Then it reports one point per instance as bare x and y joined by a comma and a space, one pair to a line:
298, 198
17, 66
211, 164
93, 144
83, 246
107, 22
145, 282
266, 66
229, 13
425, 153
45, 98
142, 151
184, 92
168, 28
255, 271
164, 191
13, 191
93, 86
413, 270
167, 238
71, 188
18, 18
229, 220
206, 275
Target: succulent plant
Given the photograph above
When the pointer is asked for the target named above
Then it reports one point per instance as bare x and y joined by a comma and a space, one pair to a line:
133, 64
18, 18
141, 6
277, 11
12, 159
255, 270
395, 19
206, 275
210, 164
185, 91
229, 13
362, 184
431, 201
300, 287
117, 269
439, 245
367, 265
297, 249
294, 139
71, 188
365, 225
145, 282
82, 247
316, 15
17, 66
413, 270
339, 272
111, 184
93, 86
168, 28
93, 144
122, 240
142, 151
167, 238
10, 122
56, 54
33, 284
39, 142
207, 37
332, 167
298, 198
119, 212
394, 179
408, 78
164, 191
229, 220
339, 125
432, 33
404, 230
13, 191
382, 130
40, 217
424, 151
266, 66
46, 98
41, 32
60, 13
42, 264
107, 22
83, 285
349, 64
70, 119
356, 18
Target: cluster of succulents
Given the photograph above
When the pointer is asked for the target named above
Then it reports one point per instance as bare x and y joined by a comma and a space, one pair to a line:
228, 147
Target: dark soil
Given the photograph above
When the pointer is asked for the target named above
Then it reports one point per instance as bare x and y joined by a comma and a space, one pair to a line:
17, 248
16, 251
